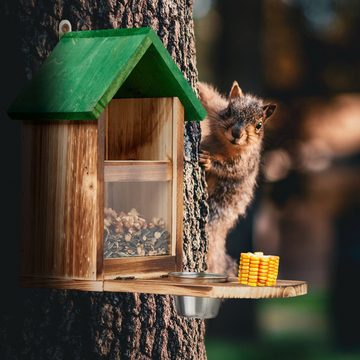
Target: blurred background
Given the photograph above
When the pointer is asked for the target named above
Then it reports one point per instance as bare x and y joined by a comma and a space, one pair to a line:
305, 56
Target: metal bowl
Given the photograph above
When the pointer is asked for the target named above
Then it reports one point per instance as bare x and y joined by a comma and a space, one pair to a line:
196, 306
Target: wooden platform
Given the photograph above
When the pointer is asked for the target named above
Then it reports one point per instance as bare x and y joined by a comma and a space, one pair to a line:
164, 286
61, 284
228, 290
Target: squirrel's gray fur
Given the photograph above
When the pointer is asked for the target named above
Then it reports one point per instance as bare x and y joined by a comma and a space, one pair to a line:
231, 163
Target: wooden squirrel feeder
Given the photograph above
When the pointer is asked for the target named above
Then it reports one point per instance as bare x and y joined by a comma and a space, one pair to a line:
103, 129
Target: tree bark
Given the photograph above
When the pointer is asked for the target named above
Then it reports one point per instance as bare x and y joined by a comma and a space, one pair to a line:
83, 325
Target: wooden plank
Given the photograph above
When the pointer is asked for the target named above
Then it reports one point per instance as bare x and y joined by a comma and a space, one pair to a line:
174, 183
140, 129
101, 195
283, 289
62, 200
53, 283
178, 168
149, 266
138, 171
159, 287
106, 135
230, 290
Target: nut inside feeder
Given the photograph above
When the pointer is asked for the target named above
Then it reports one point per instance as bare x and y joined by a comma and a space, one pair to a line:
196, 306
131, 234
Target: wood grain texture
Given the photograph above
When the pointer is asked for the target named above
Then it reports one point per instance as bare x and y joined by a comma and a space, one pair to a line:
61, 202
139, 129
82, 285
140, 267
229, 290
138, 171
100, 195
178, 166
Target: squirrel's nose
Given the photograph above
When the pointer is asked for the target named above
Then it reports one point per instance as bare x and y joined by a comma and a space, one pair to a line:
235, 132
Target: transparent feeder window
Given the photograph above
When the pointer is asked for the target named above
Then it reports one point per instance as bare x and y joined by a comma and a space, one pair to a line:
137, 219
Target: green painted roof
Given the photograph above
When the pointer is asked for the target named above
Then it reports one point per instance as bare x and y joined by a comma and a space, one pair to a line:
88, 68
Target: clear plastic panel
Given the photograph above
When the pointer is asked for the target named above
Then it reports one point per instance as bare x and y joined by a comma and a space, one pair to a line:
137, 219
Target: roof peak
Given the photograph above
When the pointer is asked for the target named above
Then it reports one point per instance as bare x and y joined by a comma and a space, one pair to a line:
87, 69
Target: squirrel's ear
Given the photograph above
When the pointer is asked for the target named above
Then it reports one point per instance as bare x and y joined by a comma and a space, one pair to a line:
268, 110
235, 91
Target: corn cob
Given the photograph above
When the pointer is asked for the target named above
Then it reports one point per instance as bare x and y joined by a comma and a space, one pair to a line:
258, 269
244, 268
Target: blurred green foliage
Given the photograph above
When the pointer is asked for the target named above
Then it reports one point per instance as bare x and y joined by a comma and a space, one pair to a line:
292, 338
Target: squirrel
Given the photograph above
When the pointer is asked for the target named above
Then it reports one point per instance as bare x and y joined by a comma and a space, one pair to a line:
230, 151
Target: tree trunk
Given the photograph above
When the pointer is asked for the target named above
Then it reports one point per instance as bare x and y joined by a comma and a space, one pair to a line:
84, 325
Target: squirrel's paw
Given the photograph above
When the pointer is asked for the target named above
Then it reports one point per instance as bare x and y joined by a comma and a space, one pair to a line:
205, 159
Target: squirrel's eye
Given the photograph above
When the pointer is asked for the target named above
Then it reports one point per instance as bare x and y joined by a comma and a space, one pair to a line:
258, 126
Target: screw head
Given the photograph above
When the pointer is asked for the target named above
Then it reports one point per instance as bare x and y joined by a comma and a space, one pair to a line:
64, 27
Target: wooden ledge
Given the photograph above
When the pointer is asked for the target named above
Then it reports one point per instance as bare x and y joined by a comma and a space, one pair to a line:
229, 290
164, 286
53, 283
137, 171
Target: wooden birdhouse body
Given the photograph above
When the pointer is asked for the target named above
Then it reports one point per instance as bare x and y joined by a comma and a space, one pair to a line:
74, 170
62, 220
103, 160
